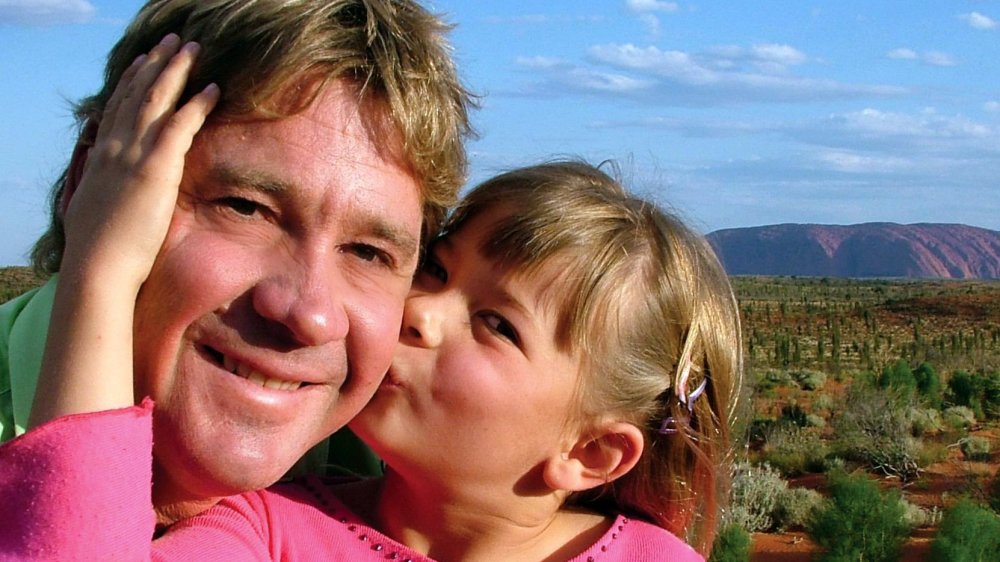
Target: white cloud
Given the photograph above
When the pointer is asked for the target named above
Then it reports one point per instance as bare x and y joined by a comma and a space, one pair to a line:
937, 58
538, 62
979, 21
902, 54
852, 162
652, 24
779, 54
992, 106
45, 12
931, 58
646, 6
727, 74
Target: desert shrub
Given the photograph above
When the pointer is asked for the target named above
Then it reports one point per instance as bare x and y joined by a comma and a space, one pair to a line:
931, 452
926, 421
796, 507
916, 516
859, 522
815, 420
794, 414
990, 394
823, 402
975, 448
794, 450
898, 376
993, 494
928, 384
968, 533
980, 392
756, 490
809, 379
875, 430
959, 417
777, 378
732, 544
962, 388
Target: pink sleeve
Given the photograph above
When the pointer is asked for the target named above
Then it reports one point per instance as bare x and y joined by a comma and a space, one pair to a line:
78, 488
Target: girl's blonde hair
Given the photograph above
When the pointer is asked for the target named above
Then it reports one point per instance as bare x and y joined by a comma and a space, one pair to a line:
646, 304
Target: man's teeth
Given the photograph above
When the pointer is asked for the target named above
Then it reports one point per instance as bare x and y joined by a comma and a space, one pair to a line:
249, 374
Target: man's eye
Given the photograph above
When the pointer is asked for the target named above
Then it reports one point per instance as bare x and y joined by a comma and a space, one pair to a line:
369, 253
240, 205
502, 327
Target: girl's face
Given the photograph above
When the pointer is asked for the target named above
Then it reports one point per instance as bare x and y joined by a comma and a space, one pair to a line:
478, 387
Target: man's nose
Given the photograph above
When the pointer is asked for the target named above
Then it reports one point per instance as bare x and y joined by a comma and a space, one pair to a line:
307, 298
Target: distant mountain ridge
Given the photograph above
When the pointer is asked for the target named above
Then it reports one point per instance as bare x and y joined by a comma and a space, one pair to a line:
944, 251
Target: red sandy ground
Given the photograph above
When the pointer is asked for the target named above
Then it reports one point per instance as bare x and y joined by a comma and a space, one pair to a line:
939, 483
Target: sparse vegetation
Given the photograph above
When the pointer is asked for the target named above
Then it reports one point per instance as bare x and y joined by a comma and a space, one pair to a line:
968, 533
859, 522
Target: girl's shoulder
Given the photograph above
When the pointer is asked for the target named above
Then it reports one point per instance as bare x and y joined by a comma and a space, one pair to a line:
634, 540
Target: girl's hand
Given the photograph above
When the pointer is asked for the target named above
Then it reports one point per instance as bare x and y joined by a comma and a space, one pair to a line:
119, 213
116, 221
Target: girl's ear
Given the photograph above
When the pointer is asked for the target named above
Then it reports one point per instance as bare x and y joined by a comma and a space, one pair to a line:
77, 163
599, 456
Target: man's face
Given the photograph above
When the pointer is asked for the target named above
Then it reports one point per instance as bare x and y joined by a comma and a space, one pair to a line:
274, 306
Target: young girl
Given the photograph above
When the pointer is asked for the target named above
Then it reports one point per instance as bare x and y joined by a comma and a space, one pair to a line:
566, 377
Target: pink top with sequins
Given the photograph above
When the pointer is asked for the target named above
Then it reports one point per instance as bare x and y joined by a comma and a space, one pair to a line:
77, 488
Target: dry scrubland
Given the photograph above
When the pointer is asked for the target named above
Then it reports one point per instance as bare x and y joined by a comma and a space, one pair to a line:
876, 393
874, 411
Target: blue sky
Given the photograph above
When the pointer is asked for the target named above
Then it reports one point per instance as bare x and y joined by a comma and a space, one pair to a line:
733, 113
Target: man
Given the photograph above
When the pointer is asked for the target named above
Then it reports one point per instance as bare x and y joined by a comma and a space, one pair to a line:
274, 305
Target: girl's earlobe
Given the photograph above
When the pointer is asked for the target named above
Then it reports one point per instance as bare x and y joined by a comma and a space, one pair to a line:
600, 456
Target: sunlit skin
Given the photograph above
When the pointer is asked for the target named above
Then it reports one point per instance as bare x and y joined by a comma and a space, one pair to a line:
477, 376
287, 261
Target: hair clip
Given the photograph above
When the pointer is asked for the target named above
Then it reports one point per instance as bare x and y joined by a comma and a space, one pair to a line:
669, 425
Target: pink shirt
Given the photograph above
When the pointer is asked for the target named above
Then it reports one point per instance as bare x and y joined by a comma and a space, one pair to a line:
78, 488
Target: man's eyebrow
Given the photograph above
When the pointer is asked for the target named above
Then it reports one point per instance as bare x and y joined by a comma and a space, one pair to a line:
258, 181
404, 241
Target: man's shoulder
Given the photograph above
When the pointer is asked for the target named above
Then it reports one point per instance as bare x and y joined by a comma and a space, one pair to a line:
24, 322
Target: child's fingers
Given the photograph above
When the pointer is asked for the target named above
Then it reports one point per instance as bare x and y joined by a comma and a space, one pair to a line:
139, 86
121, 89
161, 99
177, 133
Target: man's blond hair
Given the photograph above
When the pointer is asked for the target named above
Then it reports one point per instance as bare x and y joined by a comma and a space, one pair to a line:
260, 51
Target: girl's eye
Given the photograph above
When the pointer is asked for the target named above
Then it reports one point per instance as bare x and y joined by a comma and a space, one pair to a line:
432, 267
500, 326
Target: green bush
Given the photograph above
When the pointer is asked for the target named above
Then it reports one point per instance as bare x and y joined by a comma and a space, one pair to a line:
732, 544
993, 495
959, 417
859, 522
975, 448
810, 380
926, 421
928, 384
823, 402
794, 450
916, 516
796, 508
898, 376
968, 533
756, 491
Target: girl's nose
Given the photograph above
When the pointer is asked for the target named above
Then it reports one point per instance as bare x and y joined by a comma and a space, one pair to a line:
424, 318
